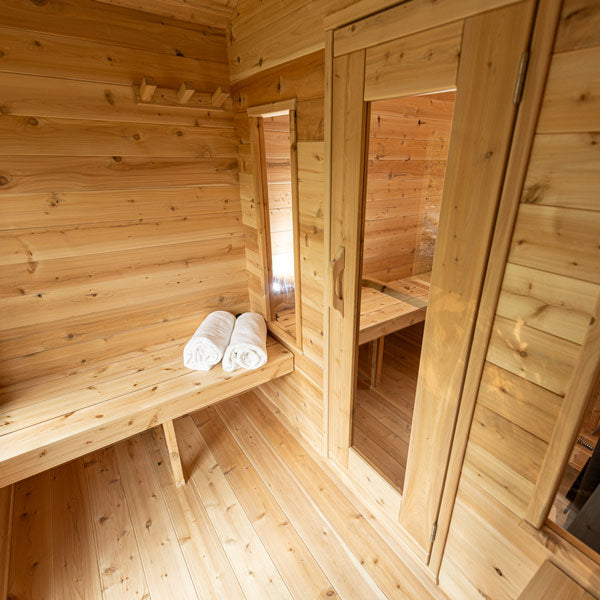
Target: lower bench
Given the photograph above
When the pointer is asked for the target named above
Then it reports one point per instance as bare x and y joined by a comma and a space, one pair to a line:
51, 420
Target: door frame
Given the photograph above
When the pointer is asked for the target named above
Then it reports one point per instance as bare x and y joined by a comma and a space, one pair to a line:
416, 527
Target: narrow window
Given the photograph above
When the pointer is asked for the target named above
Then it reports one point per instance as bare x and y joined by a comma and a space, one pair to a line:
274, 148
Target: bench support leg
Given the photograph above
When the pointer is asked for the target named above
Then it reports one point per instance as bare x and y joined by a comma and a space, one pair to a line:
174, 457
376, 361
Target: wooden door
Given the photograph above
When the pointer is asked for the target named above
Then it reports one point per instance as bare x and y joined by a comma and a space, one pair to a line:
417, 48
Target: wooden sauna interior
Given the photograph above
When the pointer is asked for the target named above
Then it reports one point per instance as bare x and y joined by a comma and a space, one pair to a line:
407, 192
408, 142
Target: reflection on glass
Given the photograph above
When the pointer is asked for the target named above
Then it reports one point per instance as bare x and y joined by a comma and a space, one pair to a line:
282, 284
576, 507
408, 148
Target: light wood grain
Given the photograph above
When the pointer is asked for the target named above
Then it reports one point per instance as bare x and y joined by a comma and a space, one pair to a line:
60, 436
556, 239
75, 561
6, 510
205, 557
50, 55
554, 181
426, 62
456, 284
156, 539
32, 559
551, 582
118, 557
405, 19
173, 450
571, 97
89, 20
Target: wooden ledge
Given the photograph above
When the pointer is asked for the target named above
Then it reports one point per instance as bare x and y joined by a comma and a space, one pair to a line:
47, 424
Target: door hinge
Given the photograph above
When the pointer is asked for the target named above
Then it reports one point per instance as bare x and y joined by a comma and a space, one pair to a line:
433, 532
520, 83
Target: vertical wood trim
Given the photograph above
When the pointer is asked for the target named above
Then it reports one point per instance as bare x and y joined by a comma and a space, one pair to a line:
174, 458
262, 214
540, 56
472, 190
296, 226
328, 108
349, 132
584, 382
7, 495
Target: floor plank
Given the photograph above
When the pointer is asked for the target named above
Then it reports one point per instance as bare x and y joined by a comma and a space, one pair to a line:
391, 576
164, 564
76, 573
339, 564
121, 571
257, 518
290, 554
206, 559
31, 557
248, 557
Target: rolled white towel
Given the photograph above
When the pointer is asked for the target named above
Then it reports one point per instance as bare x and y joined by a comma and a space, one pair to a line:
248, 346
207, 346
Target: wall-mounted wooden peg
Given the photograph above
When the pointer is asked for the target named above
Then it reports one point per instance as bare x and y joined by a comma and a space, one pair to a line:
147, 89
220, 96
185, 92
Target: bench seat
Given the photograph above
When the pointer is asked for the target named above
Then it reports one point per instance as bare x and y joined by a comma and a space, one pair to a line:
402, 303
47, 421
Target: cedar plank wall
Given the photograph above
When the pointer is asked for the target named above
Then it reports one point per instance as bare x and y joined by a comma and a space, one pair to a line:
298, 396
549, 291
267, 33
120, 225
408, 146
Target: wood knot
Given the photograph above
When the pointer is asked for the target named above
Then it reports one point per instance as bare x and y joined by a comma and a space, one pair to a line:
3, 180
117, 159
32, 121
2, 55
39, 2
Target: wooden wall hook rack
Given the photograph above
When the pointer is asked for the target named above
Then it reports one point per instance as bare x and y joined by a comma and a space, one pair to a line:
148, 93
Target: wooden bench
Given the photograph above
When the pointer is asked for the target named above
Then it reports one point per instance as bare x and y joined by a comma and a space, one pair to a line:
50, 420
386, 307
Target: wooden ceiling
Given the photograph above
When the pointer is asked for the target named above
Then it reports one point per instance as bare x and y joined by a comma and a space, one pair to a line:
215, 13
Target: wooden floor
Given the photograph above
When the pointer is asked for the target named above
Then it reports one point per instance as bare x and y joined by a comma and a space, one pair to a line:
258, 518
382, 417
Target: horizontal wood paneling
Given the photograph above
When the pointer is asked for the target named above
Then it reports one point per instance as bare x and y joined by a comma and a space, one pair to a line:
546, 305
559, 240
36, 53
120, 225
75, 137
276, 33
205, 12
93, 21
554, 181
74, 173
408, 144
572, 97
428, 61
73, 208
22, 95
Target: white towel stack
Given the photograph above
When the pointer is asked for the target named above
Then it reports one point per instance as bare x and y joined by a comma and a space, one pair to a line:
207, 346
248, 346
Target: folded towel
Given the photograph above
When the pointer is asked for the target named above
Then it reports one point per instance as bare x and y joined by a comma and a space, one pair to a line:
208, 344
248, 346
